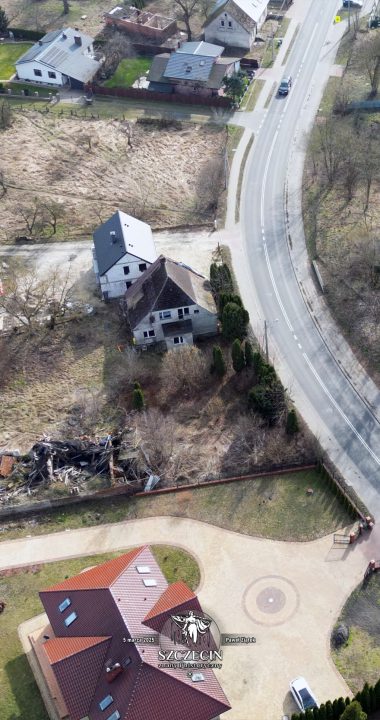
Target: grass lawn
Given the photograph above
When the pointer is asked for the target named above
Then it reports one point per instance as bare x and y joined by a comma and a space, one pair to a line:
19, 696
359, 660
128, 71
9, 53
252, 95
277, 508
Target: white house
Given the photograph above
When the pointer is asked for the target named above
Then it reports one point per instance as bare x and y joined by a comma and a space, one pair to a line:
61, 57
170, 304
234, 23
123, 249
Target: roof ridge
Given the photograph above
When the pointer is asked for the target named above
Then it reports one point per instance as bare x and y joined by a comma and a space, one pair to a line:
169, 591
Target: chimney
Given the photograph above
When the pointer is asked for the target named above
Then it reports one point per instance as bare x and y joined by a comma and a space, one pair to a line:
113, 237
64, 36
40, 42
77, 40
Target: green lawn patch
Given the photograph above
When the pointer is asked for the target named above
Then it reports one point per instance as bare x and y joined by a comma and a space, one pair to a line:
273, 47
9, 53
272, 507
128, 71
253, 94
19, 694
359, 659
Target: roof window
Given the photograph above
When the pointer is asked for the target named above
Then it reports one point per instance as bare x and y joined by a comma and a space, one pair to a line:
143, 569
197, 677
64, 604
106, 702
149, 582
70, 619
115, 716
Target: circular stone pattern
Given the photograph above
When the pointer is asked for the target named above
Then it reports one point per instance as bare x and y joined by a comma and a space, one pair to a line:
271, 600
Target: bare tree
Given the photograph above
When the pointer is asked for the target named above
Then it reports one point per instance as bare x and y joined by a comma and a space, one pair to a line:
369, 59
330, 147
41, 217
117, 48
184, 369
30, 300
66, 7
5, 115
210, 184
185, 11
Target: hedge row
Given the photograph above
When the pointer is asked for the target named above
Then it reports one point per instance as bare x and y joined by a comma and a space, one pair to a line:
24, 34
369, 699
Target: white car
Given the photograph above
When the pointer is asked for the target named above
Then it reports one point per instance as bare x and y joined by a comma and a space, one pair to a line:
302, 694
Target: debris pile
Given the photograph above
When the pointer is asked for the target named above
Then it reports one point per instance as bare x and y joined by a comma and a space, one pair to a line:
72, 462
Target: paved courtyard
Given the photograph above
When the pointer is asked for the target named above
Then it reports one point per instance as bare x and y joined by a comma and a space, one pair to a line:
288, 595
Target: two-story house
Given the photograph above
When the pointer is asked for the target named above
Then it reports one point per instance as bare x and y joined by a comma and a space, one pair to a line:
123, 249
234, 23
170, 304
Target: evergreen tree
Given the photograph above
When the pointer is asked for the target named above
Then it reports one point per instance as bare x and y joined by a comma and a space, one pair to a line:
353, 711
329, 710
336, 712
316, 713
258, 363
3, 21
322, 712
248, 353
238, 360
341, 706
377, 695
292, 426
309, 714
365, 699
219, 366
136, 386
235, 319
138, 399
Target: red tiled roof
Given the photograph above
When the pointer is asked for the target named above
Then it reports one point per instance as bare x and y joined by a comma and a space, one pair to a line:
99, 577
60, 648
173, 596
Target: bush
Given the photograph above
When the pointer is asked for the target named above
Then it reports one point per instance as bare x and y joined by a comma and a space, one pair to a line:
3, 21
184, 370
226, 297
234, 321
218, 366
238, 359
220, 279
248, 353
268, 400
292, 426
138, 399
353, 711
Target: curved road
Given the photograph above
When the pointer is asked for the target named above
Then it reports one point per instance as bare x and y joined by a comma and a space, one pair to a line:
345, 424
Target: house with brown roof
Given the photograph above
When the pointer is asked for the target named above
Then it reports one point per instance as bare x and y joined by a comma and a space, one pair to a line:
95, 662
170, 304
195, 67
234, 23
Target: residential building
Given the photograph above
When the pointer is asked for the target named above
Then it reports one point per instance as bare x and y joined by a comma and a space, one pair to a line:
93, 664
234, 23
170, 304
195, 67
141, 24
123, 249
61, 58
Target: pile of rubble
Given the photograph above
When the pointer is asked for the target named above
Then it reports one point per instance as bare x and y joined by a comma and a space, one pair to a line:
72, 462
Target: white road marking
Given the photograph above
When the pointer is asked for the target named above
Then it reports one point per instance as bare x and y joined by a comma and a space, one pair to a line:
265, 177
295, 337
300, 346
340, 411
276, 290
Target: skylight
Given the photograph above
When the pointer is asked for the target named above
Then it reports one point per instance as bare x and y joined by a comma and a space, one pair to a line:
197, 677
143, 569
114, 716
149, 582
70, 619
106, 702
64, 604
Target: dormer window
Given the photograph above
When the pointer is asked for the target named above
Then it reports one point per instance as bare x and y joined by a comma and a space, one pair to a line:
64, 604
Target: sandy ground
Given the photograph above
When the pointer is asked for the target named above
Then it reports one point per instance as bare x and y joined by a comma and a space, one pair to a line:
86, 166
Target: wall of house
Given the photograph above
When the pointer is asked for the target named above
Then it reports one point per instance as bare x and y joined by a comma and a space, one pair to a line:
146, 31
25, 71
204, 323
114, 282
234, 36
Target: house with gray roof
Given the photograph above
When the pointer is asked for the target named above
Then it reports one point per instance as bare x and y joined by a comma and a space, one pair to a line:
195, 67
170, 305
234, 23
123, 249
61, 58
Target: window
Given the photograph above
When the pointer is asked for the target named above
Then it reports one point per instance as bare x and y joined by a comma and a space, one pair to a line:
178, 340
70, 619
127, 661
186, 311
106, 702
64, 604
37, 73
149, 333
52, 75
128, 283
196, 312
114, 716
222, 23
143, 569
142, 267
149, 582
229, 24
165, 314
126, 269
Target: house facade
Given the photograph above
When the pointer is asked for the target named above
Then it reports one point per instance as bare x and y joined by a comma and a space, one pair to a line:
195, 67
170, 305
123, 249
94, 665
61, 58
234, 23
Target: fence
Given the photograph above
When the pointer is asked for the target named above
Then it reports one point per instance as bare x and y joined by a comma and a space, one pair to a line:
141, 94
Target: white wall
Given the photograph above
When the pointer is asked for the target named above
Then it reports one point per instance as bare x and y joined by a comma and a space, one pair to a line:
25, 72
234, 36
204, 323
115, 280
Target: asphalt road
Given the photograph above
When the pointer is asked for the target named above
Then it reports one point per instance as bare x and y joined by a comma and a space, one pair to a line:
345, 424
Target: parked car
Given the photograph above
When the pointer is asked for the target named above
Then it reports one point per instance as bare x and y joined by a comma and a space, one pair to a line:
285, 85
302, 694
352, 3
